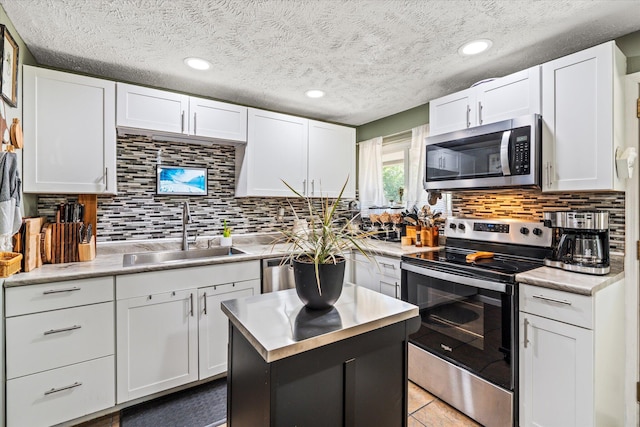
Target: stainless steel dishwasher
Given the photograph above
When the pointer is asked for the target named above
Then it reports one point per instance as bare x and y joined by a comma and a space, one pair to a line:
276, 275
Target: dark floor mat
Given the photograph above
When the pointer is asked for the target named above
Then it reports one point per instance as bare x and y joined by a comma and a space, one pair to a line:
200, 406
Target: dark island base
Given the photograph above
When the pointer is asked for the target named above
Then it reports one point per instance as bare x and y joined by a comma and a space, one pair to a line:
359, 381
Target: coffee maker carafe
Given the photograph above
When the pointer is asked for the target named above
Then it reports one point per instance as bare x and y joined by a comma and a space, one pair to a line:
580, 241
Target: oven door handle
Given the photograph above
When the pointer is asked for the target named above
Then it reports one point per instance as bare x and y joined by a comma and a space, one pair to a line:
450, 277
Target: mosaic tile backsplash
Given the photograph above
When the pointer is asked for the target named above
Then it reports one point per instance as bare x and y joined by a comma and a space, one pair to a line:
138, 213
530, 204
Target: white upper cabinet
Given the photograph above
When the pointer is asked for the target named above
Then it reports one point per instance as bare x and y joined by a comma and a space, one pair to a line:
153, 109
213, 119
167, 112
276, 150
312, 157
582, 101
515, 95
332, 160
69, 133
452, 112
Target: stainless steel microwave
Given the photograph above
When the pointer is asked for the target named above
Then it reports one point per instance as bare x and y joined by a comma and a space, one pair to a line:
502, 154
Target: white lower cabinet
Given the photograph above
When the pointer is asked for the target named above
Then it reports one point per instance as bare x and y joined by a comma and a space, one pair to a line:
59, 340
213, 330
157, 343
164, 337
62, 394
381, 275
571, 360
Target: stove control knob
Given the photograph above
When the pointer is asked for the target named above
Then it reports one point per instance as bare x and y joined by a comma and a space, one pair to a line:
524, 230
452, 226
537, 231
461, 226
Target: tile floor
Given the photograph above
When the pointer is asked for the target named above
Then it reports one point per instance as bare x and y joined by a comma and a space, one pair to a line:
425, 410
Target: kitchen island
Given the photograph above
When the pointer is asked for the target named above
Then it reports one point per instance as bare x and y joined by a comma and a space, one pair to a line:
345, 366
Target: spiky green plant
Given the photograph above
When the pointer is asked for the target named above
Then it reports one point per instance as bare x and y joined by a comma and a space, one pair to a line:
328, 238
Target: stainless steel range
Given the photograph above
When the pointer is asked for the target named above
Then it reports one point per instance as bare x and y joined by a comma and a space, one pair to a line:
466, 350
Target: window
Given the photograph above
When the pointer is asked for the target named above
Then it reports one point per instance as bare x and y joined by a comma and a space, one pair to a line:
395, 155
395, 162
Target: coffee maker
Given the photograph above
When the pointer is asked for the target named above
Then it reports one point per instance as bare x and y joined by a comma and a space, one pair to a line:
580, 241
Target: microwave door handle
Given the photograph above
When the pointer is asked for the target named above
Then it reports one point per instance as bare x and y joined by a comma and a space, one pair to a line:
504, 153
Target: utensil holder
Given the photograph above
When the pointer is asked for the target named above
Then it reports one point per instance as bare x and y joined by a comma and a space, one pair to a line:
87, 251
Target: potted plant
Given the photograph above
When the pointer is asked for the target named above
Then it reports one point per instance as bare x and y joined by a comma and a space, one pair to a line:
226, 240
319, 250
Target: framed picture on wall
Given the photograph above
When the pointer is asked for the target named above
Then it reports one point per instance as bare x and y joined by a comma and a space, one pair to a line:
181, 181
9, 68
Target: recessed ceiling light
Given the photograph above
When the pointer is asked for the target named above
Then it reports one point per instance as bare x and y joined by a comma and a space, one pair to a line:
475, 47
197, 63
314, 93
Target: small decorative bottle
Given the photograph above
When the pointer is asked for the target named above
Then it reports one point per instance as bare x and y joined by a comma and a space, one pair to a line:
418, 237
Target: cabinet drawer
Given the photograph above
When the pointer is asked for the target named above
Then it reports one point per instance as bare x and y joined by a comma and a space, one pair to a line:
155, 282
59, 395
557, 305
53, 339
52, 296
389, 267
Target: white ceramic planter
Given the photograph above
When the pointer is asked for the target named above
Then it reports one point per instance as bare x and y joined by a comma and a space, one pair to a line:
226, 241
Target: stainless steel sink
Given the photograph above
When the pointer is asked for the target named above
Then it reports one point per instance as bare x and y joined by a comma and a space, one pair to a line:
172, 256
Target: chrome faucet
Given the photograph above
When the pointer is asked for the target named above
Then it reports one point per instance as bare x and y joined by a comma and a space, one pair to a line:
186, 219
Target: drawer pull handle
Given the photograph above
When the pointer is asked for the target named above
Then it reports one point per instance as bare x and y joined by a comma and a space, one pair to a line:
391, 266
59, 291
559, 301
55, 390
55, 331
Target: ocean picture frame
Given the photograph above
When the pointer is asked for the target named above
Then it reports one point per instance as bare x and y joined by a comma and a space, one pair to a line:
172, 180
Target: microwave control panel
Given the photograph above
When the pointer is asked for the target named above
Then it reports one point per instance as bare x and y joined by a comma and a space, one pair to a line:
520, 151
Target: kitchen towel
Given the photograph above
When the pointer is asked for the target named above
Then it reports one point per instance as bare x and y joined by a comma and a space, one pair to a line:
10, 187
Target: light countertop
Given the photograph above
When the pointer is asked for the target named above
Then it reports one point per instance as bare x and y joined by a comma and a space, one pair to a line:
109, 260
577, 283
278, 325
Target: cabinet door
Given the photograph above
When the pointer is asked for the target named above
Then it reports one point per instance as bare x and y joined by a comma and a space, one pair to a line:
556, 373
213, 323
511, 96
157, 339
366, 273
69, 133
213, 119
577, 112
452, 112
276, 150
152, 109
332, 160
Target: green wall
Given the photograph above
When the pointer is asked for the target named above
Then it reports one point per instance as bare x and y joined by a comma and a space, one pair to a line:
405, 120
399, 122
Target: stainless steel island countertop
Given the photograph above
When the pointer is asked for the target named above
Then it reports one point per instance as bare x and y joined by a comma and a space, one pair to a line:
278, 325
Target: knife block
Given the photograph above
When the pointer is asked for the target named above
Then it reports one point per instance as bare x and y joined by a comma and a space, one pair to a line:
87, 251
64, 242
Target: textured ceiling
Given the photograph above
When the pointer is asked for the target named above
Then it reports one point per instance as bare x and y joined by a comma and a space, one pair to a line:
373, 58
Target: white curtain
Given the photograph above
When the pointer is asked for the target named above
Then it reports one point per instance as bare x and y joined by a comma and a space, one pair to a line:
415, 194
370, 174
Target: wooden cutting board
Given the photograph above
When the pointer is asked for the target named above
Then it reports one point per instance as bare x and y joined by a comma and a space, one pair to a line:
32, 238
15, 134
46, 251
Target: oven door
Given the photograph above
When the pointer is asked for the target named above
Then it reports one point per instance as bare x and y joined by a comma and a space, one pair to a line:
465, 320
